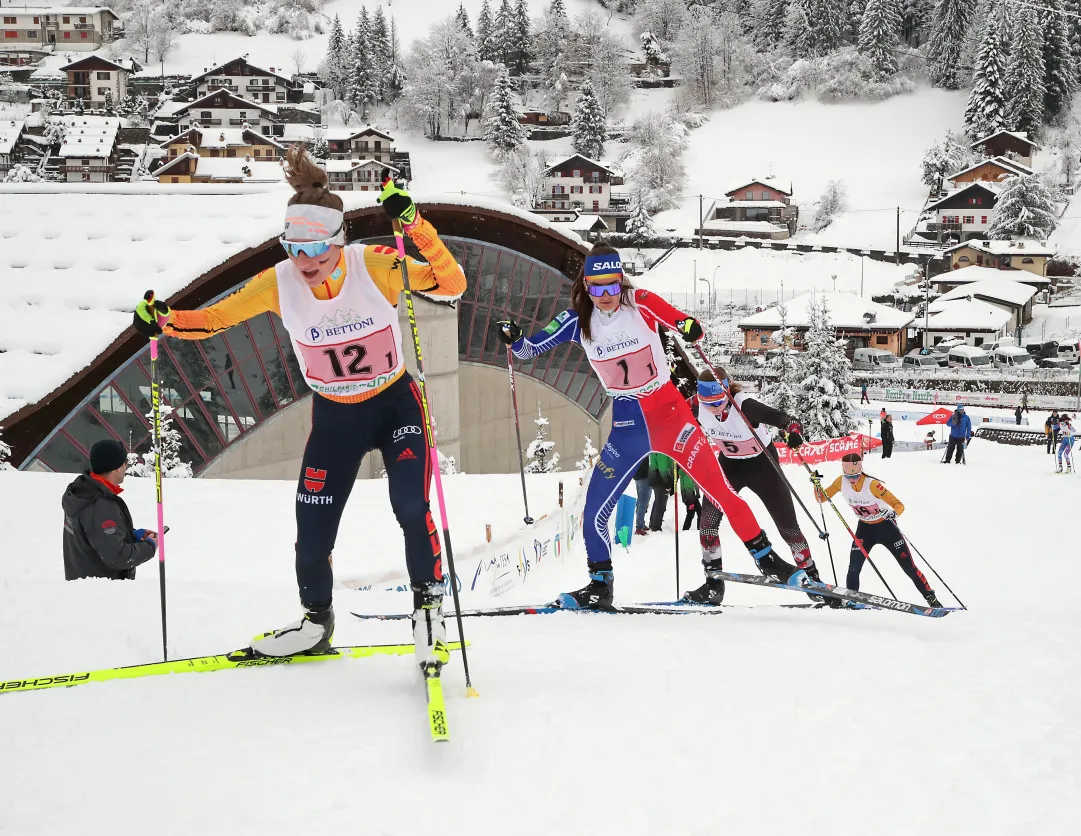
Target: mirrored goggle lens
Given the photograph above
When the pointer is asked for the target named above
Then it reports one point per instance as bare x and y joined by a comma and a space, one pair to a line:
309, 248
612, 289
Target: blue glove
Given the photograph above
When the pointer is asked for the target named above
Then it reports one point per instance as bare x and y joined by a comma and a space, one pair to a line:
140, 533
153, 541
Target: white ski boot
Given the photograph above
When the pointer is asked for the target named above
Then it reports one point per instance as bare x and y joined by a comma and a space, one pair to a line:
429, 630
311, 635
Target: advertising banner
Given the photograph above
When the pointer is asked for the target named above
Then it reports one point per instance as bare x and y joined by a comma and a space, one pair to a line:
830, 450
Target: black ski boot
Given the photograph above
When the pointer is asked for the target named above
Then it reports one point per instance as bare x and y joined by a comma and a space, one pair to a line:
769, 564
596, 595
712, 591
812, 572
932, 599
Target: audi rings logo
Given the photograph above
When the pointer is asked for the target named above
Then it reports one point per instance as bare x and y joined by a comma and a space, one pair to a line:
315, 335
402, 432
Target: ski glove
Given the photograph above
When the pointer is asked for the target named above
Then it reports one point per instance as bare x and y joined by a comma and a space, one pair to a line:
889, 514
145, 534
795, 435
151, 315
689, 328
396, 201
508, 331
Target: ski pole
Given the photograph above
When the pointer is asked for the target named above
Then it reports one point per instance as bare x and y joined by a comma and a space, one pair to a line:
155, 402
675, 483
929, 566
829, 548
518, 434
844, 522
399, 237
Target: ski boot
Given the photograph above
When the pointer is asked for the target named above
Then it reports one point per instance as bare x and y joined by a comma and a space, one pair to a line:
1058, 468
769, 564
812, 573
711, 592
310, 636
597, 595
429, 630
932, 599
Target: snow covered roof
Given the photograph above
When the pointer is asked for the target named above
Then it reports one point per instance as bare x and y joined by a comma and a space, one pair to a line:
297, 132
188, 106
89, 138
997, 289
93, 60
587, 223
1002, 162
1022, 246
342, 133
985, 185
238, 168
754, 204
10, 130
67, 10
558, 163
770, 182
977, 273
169, 108
342, 166
744, 226
222, 138
847, 310
243, 59
1021, 135
967, 315
77, 257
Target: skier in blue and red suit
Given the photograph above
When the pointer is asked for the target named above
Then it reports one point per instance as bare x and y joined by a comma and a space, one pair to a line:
616, 324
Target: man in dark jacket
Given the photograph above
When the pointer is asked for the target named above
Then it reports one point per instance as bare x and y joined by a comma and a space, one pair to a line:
960, 432
887, 436
99, 541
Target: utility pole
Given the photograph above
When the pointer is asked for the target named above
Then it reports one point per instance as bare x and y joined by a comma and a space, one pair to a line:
701, 220
926, 297
897, 247
861, 276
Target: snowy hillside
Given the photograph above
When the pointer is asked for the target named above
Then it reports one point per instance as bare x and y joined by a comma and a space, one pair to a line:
762, 720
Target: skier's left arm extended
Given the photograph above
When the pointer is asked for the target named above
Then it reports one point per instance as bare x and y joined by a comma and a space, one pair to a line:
883, 493
657, 309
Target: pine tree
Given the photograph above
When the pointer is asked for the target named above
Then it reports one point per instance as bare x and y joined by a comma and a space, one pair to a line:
814, 28
822, 399
1025, 74
878, 35
540, 448
486, 42
1025, 209
855, 18
502, 130
380, 40
986, 111
334, 67
784, 394
172, 465
503, 33
520, 38
558, 10
948, 30
394, 74
1059, 71
362, 82
640, 226
462, 19
1073, 30
589, 455
588, 125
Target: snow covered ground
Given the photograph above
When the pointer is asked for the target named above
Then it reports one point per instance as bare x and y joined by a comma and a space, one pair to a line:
760, 720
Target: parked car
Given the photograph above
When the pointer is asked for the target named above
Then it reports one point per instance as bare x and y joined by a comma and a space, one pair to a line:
746, 360
1068, 351
873, 358
1038, 350
1055, 363
999, 343
949, 342
941, 357
918, 361
1012, 357
969, 357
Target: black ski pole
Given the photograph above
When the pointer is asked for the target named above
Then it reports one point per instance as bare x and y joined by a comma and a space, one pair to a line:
518, 434
399, 235
929, 566
155, 393
829, 548
675, 483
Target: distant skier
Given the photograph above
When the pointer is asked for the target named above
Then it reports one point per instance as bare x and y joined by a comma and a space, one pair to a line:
929, 439
863, 394
960, 434
1051, 428
740, 450
876, 509
339, 305
1065, 445
617, 326
887, 436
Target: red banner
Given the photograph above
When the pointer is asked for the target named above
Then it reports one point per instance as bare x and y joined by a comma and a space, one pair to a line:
830, 450
939, 416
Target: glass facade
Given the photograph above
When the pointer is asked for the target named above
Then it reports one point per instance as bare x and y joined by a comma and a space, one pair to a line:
225, 386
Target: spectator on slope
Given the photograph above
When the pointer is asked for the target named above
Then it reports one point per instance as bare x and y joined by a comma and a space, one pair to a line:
929, 439
662, 478
863, 394
644, 491
99, 538
1051, 427
1024, 399
960, 433
688, 491
887, 436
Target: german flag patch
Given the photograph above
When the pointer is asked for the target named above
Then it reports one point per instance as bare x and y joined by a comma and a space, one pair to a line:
380, 249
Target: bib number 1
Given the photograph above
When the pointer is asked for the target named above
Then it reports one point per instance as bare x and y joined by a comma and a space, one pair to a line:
631, 371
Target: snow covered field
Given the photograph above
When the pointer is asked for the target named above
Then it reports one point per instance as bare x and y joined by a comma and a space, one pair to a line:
763, 720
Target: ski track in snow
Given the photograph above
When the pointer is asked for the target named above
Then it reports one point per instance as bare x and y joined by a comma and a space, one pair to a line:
763, 721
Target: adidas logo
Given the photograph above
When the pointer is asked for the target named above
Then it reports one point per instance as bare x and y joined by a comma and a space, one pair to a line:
407, 453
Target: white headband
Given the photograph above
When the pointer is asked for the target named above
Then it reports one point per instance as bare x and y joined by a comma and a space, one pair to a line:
304, 222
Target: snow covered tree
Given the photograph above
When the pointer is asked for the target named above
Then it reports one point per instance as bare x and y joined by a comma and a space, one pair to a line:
948, 31
1073, 30
502, 130
588, 126
1025, 73
1059, 70
172, 466
522, 176
593, 45
442, 79
784, 394
770, 24
695, 56
362, 76
394, 74
589, 455
20, 173
986, 111
878, 35
380, 49
5, 452
540, 448
320, 147
640, 226
462, 19
822, 398
651, 49
946, 157
662, 18
485, 38
855, 19
1025, 209
654, 162
814, 28
519, 38
333, 70
832, 202
503, 33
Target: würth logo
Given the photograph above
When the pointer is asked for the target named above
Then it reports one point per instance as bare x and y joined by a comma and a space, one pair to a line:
314, 479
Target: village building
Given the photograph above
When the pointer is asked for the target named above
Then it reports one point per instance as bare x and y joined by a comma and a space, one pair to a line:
963, 214
588, 227
190, 167
356, 175
945, 282
978, 322
1022, 254
11, 132
366, 143
1002, 143
1012, 297
579, 183
240, 76
993, 170
97, 81
223, 109
224, 142
66, 28
544, 119
756, 209
88, 152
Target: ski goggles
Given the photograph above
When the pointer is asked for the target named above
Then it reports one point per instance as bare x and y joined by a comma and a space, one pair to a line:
852, 465
598, 290
712, 392
312, 249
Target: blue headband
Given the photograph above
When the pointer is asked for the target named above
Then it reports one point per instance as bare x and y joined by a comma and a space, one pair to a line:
604, 267
711, 390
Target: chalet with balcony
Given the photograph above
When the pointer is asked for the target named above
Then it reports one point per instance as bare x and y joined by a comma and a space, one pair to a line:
988, 170
1022, 254
67, 28
757, 209
963, 214
544, 119
356, 175
266, 85
88, 152
97, 81
11, 131
579, 183
223, 109
190, 167
1003, 293
1002, 143
224, 142
366, 143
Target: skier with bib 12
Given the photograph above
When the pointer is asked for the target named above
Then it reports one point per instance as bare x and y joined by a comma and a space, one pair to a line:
339, 304
616, 324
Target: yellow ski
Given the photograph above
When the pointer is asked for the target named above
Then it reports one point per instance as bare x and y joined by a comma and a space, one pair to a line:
437, 712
